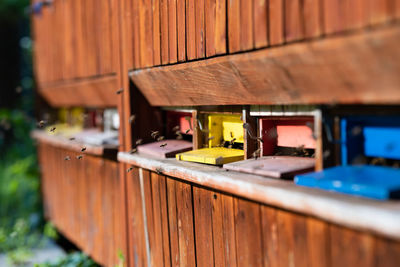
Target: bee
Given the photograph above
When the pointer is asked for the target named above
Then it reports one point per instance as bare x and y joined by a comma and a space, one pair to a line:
159, 171
154, 134
52, 129
130, 169
72, 138
231, 134
176, 128
139, 142
132, 151
356, 130
41, 123
210, 138
132, 118
119, 91
160, 138
179, 136
189, 120
256, 154
249, 131
79, 157
187, 131
163, 145
67, 158
83, 149
18, 89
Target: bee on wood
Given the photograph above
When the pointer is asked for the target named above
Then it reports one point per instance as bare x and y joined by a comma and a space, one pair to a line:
160, 138
130, 169
52, 129
159, 171
176, 128
67, 158
179, 136
83, 149
71, 138
154, 134
139, 142
79, 157
41, 123
132, 151
163, 145
119, 91
132, 118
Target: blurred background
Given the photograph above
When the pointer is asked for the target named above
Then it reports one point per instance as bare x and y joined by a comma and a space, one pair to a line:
25, 238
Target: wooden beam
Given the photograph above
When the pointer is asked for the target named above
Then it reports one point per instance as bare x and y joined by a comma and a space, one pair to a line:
361, 68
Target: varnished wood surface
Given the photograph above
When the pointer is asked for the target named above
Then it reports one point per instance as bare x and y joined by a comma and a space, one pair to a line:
89, 92
352, 69
358, 213
65, 143
191, 225
82, 198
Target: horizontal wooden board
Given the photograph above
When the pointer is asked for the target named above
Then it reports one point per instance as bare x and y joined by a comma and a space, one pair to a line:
91, 92
356, 69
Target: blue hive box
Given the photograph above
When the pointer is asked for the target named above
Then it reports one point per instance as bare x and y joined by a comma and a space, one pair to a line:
367, 181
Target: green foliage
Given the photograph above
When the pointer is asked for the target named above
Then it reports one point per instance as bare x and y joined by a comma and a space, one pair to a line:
76, 259
121, 259
50, 231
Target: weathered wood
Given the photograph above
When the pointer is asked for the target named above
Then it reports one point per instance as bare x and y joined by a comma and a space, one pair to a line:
172, 31
190, 30
181, 29
282, 75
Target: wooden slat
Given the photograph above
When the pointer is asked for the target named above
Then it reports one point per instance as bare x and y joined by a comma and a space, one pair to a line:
172, 31
136, 33
210, 35
387, 252
202, 207
200, 29
165, 221
190, 30
333, 19
379, 11
220, 27
173, 222
260, 11
185, 224
357, 14
276, 22
269, 225
293, 20
312, 18
234, 25
248, 233
156, 32
317, 243
164, 31
146, 33
282, 75
181, 29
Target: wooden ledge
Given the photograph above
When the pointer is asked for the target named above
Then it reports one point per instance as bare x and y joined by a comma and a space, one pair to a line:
108, 151
382, 218
90, 92
359, 68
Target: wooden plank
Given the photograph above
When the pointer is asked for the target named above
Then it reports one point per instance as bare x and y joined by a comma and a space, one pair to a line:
396, 9
190, 30
210, 21
260, 11
200, 29
164, 220
279, 76
220, 27
276, 22
164, 31
181, 29
173, 222
172, 31
136, 33
387, 252
246, 25
146, 33
362, 244
234, 26
293, 20
357, 14
156, 32
202, 207
248, 233
317, 243
127, 32
312, 18
187, 255
379, 11
270, 238
332, 15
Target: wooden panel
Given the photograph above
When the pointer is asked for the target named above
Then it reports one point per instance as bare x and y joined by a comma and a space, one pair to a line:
260, 11
333, 20
190, 30
276, 22
210, 35
164, 31
200, 28
146, 33
181, 29
282, 75
172, 31
99, 92
233, 25
312, 18
387, 252
156, 32
379, 11
293, 20
173, 222
246, 25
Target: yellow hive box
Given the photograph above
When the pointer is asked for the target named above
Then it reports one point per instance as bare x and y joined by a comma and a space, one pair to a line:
221, 128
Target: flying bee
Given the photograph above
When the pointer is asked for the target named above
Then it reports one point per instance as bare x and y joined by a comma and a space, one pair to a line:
67, 158
18, 89
179, 136
41, 123
256, 154
154, 134
160, 138
163, 145
187, 131
176, 128
231, 134
132, 118
139, 142
132, 151
119, 91
52, 129
72, 138
189, 120
79, 157
130, 169
210, 138
83, 149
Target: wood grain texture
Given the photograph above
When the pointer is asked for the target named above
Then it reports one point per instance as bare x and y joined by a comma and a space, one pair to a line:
164, 31
294, 19
156, 32
181, 29
200, 30
246, 25
172, 31
276, 22
312, 18
210, 27
190, 30
261, 23
233, 25
281, 75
